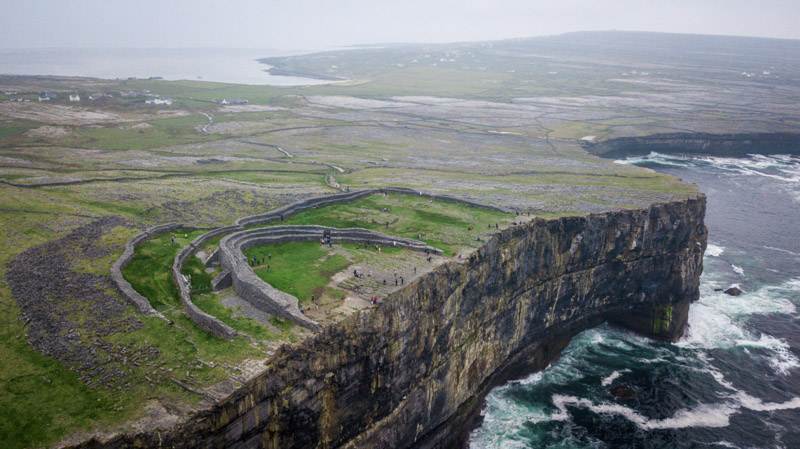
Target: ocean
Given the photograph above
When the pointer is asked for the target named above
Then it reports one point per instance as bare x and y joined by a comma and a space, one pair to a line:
238, 66
733, 379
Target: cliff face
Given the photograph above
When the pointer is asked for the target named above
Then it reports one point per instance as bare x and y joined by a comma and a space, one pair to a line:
413, 372
699, 143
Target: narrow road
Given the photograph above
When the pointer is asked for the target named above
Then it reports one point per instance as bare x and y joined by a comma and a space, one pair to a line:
204, 129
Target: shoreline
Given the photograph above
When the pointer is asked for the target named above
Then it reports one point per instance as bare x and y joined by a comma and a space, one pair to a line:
229, 66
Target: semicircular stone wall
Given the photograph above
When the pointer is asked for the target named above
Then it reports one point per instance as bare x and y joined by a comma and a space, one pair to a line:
266, 297
280, 308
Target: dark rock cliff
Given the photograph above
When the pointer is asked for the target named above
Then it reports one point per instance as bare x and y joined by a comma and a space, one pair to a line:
413, 372
698, 143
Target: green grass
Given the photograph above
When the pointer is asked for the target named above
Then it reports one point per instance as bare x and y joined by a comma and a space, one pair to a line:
160, 133
303, 269
196, 270
150, 270
269, 178
212, 305
13, 177
15, 127
441, 224
298, 268
40, 399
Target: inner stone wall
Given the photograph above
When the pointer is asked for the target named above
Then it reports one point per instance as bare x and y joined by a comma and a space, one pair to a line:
271, 300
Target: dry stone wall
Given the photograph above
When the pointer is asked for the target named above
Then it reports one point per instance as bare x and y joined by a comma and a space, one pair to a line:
208, 322
125, 289
280, 304
142, 304
266, 297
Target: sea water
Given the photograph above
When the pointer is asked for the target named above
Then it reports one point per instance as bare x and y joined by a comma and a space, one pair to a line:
732, 381
238, 66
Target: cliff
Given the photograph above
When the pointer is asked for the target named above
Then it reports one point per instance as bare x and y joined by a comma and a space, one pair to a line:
413, 372
728, 145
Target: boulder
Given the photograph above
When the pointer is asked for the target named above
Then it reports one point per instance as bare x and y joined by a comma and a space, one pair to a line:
623, 392
733, 291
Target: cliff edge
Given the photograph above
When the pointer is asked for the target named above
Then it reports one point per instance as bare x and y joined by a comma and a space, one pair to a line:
413, 373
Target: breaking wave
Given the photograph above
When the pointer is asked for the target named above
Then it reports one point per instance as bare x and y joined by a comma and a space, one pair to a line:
737, 362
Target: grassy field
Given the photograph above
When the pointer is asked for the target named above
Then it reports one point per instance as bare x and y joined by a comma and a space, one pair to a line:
42, 400
441, 224
150, 270
301, 269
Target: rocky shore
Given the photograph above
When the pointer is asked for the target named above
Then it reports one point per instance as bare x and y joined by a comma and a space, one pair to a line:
725, 145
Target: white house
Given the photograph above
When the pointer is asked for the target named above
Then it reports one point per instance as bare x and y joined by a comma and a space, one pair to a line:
74, 97
232, 101
159, 100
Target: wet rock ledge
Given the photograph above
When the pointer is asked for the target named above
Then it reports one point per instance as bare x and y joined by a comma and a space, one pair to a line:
413, 373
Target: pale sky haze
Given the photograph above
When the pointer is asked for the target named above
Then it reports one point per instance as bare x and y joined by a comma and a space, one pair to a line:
320, 24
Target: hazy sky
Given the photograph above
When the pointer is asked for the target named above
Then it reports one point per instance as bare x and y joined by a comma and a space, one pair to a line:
317, 24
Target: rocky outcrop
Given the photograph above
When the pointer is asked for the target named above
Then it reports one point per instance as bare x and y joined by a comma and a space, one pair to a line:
413, 372
698, 143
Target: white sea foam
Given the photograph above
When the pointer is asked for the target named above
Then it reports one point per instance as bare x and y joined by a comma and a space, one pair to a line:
765, 300
738, 270
714, 250
725, 444
658, 158
532, 379
614, 376
507, 417
702, 415
792, 284
715, 322
782, 250
754, 165
758, 405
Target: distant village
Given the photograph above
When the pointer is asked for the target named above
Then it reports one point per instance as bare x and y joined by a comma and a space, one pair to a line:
75, 97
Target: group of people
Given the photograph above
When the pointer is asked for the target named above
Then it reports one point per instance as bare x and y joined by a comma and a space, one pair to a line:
326, 240
365, 244
254, 262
